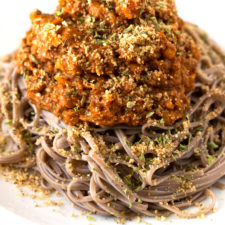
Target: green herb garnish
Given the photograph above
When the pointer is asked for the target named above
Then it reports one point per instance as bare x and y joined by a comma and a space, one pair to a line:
93, 19
164, 141
34, 60
127, 181
142, 157
128, 142
130, 205
91, 31
53, 130
211, 159
213, 145
31, 147
159, 4
183, 147
127, 30
99, 42
9, 122
149, 115
90, 218
161, 121
81, 19
155, 22
59, 12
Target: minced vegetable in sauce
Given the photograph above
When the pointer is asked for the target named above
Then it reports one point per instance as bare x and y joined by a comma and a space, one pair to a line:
109, 62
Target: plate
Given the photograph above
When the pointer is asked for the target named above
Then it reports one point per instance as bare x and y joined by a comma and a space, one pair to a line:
14, 21
27, 212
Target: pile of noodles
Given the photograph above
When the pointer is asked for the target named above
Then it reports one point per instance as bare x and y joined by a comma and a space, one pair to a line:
124, 171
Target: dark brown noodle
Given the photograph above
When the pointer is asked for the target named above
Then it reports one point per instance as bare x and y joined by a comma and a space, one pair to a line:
124, 171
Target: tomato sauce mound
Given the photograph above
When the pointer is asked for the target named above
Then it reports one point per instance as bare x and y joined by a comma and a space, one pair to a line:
109, 62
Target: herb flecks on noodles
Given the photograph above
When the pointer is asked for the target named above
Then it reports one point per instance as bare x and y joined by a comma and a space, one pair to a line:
153, 168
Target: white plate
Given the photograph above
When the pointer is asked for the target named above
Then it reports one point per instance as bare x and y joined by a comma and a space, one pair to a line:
14, 21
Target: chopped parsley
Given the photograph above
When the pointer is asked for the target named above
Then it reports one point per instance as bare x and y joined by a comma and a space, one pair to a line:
90, 218
213, 145
99, 42
130, 205
31, 147
142, 157
53, 130
164, 141
8, 122
93, 19
127, 181
59, 12
149, 115
91, 31
81, 19
183, 147
125, 73
128, 142
161, 121
34, 60
159, 4
155, 22
127, 30
211, 159
137, 190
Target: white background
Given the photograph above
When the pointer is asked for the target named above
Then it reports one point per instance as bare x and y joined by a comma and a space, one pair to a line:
14, 21
14, 18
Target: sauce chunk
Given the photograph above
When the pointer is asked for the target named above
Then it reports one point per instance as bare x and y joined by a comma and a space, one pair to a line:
109, 62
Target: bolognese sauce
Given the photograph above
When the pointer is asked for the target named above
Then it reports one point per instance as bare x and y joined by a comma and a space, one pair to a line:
109, 62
